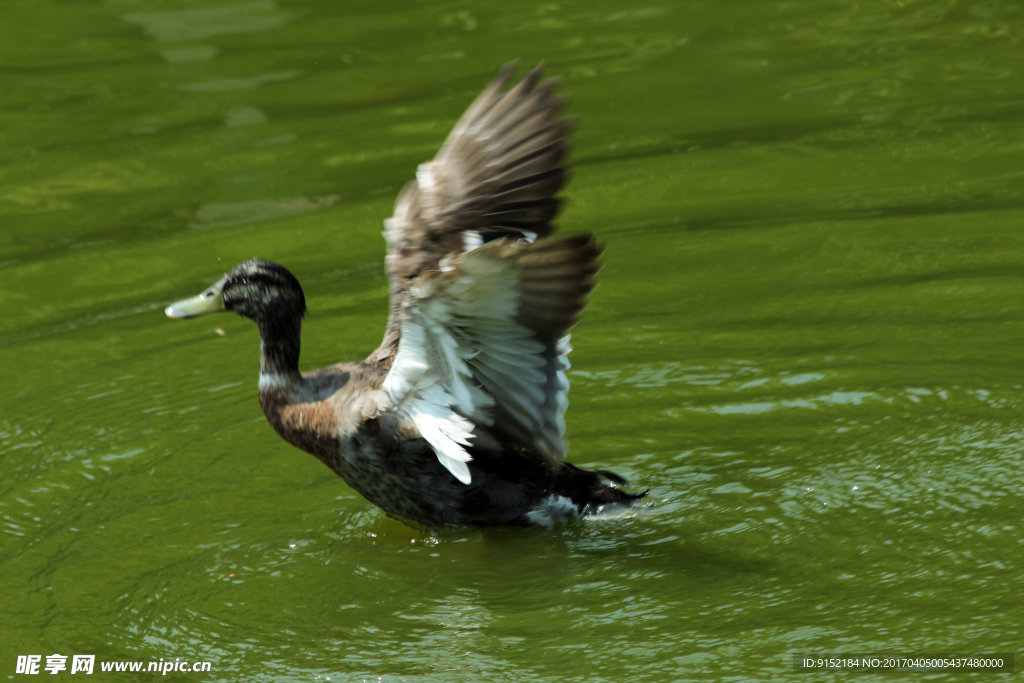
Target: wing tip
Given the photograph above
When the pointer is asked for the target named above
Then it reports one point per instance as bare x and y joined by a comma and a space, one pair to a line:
506, 71
458, 469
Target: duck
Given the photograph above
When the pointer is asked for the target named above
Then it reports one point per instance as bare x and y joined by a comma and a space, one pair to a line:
457, 419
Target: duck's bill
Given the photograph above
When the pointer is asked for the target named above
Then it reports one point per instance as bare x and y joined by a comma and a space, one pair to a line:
210, 301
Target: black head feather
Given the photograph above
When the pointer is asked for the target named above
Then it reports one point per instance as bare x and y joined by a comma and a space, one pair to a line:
263, 291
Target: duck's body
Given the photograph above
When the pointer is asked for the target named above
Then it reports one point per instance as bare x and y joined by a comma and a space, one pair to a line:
334, 414
456, 419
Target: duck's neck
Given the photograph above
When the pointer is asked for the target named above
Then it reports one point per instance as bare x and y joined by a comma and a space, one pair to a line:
280, 340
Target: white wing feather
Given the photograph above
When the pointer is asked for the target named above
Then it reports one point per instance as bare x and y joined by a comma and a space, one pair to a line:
463, 358
429, 378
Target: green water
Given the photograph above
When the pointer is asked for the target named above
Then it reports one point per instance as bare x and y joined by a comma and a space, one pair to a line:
807, 341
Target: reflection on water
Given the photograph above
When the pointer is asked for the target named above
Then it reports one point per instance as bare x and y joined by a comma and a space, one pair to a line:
806, 341
222, 215
835, 398
226, 84
209, 22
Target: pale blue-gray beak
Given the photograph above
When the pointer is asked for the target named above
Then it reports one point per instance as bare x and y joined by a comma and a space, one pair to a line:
210, 301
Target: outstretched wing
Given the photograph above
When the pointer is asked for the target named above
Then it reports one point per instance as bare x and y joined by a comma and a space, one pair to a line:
495, 176
484, 345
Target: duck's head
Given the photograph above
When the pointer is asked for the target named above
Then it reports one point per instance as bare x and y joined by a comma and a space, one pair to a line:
256, 289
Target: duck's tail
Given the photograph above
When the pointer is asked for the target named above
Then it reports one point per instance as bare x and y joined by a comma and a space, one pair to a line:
587, 487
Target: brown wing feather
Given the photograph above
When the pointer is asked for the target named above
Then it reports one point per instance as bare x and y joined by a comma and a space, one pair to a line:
552, 280
555, 276
495, 176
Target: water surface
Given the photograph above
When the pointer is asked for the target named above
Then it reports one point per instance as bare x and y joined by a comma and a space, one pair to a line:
806, 340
